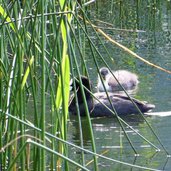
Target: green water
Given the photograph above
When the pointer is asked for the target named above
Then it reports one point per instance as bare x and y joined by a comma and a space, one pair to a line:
152, 41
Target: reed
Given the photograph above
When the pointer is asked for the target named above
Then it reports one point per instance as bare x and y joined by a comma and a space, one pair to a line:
42, 46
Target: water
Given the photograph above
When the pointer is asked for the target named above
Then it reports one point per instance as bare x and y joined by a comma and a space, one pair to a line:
153, 43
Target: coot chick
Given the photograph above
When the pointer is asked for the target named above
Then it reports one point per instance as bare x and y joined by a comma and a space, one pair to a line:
122, 104
128, 80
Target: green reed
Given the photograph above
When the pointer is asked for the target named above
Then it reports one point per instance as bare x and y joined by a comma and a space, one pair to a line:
40, 49
26, 55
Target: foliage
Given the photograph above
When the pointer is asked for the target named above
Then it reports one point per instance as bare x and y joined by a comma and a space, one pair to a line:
42, 45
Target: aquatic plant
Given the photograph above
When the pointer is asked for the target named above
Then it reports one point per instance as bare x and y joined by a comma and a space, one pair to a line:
42, 45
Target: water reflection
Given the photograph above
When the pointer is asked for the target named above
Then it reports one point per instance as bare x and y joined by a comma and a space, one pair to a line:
110, 141
101, 126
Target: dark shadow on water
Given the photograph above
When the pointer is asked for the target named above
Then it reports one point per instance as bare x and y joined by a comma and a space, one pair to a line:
102, 124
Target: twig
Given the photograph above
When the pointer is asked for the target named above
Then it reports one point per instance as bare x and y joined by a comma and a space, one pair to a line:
125, 48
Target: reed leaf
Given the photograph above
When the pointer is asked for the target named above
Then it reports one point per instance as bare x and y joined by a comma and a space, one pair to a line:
27, 72
7, 18
64, 79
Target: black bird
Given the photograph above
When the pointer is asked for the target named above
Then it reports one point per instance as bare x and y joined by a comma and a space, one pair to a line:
122, 104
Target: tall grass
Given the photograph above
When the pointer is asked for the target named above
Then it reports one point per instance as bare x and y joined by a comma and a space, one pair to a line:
32, 69
42, 45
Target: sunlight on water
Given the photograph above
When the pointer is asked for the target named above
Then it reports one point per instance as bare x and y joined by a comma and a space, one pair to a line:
162, 114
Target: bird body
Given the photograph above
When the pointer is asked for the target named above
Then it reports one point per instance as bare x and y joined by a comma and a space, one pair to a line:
98, 103
126, 79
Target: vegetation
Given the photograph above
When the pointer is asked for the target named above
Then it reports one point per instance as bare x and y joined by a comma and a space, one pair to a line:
42, 46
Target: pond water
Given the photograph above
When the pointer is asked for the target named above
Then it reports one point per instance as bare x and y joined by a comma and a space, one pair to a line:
152, 41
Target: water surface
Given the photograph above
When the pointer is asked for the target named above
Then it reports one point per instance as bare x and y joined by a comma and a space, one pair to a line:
151, 39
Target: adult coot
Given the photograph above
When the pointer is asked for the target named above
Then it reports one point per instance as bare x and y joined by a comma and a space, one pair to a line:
98, 104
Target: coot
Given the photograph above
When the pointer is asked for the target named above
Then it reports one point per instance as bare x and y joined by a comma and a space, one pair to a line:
121, 103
